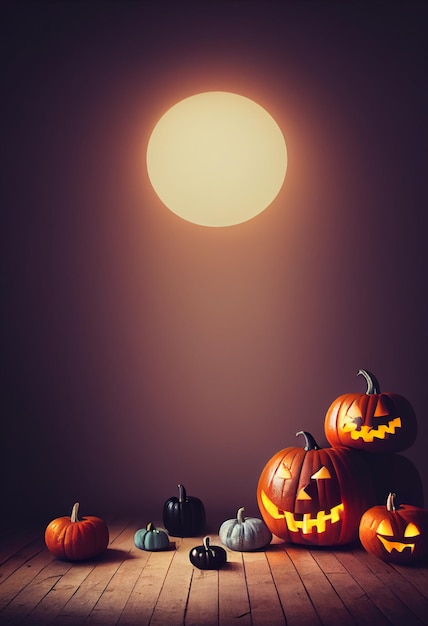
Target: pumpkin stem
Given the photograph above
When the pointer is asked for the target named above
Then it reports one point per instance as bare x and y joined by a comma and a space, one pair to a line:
207, 543
372, 383
240, 515
182, 496
150, 526
74, 512
311, 444
390, 502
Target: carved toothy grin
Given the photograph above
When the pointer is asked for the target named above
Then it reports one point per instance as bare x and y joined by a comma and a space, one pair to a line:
304, 522
395, 545
367, 433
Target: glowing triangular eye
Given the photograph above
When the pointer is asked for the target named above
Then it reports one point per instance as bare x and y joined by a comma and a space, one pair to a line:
382, 408
322, 473
385, 528
411, 530
283, 471
354, 410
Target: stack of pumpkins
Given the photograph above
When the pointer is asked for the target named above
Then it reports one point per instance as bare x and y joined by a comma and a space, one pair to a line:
306, 495
330, 496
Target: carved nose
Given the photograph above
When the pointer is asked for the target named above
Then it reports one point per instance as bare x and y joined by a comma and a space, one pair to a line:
302, 495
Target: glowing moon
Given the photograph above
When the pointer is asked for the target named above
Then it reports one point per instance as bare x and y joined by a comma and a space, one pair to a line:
217, 159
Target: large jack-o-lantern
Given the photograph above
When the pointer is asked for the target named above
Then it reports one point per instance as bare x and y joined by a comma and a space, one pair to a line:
314, 496
395, 534
371, 421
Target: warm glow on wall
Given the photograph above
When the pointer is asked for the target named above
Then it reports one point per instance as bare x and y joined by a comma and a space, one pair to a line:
217, 159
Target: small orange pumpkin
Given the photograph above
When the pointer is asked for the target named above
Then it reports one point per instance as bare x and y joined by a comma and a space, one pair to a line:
76, 540
397, 535
371, 421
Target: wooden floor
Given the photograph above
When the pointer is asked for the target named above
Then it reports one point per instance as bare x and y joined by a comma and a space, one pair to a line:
282, 585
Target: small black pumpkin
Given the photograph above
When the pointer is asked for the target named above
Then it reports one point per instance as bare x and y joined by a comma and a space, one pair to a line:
184, 516
208, 556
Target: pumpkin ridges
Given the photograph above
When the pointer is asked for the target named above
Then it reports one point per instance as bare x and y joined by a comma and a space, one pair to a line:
151, 538
332, 417
184, 516
244, 533
329, 490
54, 536
350, 484
355, 505
76, 540
208, 556
382, 532
374, 421
295, 461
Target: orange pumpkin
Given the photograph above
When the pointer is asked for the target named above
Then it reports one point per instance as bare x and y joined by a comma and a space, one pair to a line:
314, 496
397, 535
76, 540
371, 421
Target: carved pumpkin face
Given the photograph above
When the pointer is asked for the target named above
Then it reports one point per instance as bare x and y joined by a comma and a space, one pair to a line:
371, 421
395, 535
314, 496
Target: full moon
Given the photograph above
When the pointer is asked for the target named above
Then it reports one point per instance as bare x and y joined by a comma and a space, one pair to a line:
216, 159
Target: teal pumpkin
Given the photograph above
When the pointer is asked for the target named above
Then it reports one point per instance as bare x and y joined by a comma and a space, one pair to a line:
244, 534
151, 538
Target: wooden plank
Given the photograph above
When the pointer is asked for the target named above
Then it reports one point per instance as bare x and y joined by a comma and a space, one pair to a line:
202, 606
30, 595
351, 593
172, 602
417, 576
16, 541
55, 600
284, 585
82, 602
22, 576
107, 611
398, 584
234, 605
46, 610
266, 609
145, 593
15, 563
327, 603
386, 601
296, 603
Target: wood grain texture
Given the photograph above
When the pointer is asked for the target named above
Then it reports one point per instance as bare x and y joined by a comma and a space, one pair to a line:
282, 585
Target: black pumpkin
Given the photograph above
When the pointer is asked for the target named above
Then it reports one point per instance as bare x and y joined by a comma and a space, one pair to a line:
208, 556
394, 473
184, 516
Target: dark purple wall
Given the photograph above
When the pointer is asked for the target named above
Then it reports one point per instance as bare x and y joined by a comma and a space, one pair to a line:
140, 350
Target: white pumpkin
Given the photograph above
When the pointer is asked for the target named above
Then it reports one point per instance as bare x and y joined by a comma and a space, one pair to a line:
244, 534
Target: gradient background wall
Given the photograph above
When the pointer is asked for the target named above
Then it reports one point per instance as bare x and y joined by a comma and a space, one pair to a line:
140, 350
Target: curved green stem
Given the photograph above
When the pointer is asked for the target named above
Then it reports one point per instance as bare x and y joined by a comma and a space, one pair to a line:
372, 383
311, 444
